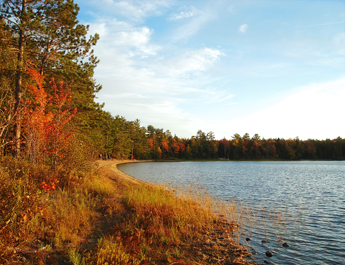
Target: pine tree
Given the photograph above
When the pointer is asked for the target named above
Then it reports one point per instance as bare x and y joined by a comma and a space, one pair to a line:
47, 33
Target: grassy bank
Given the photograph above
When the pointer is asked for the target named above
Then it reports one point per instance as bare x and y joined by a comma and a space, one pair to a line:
100, 216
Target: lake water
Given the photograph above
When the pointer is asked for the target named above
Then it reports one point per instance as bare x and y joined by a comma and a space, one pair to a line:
301, 203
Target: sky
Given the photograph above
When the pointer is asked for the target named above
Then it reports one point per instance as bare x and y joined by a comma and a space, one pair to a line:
273, 68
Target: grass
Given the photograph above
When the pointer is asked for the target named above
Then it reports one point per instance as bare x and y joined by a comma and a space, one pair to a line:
95, 218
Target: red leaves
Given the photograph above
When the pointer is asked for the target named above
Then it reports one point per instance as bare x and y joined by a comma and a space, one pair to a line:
224, 142
49, 187
150, 142
165, 145
178, 147
182, 147
45, 131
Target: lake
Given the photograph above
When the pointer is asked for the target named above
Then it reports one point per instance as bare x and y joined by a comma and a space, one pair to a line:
301, 203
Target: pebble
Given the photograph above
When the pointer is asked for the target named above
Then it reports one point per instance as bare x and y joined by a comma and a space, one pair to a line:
269, 254
285, 245
265, 241
247, 239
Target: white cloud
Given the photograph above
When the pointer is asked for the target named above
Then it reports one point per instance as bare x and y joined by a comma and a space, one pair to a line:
314, 111
134, 41
214, 96
144, 86
193, 26
243, 28
184, 14
138, 38
173, 85
194, 61
134, 9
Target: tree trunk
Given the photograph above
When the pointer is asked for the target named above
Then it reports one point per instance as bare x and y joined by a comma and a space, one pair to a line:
18, 92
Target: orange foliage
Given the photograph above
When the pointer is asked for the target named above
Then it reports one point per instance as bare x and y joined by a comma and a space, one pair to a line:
176, 147
182, 147
57, 135
45, 132
165, 145
49, 187
150, 142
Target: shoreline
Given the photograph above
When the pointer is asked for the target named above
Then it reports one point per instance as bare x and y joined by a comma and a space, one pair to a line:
112, 165
104, 216
215, 244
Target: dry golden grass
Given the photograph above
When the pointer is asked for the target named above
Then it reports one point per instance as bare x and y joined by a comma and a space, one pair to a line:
97, 218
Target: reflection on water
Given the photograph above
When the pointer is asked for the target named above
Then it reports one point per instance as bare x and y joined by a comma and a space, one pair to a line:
301, 203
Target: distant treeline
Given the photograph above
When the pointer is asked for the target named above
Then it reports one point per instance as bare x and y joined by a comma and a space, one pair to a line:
48, 113
127, 139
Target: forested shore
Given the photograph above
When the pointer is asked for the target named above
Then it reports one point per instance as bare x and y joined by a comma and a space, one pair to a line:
133, 141
48, 102
58, 205
55, 202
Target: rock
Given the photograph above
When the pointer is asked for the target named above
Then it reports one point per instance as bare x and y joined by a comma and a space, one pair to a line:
265, 241
247, 239
285, 245
269, 254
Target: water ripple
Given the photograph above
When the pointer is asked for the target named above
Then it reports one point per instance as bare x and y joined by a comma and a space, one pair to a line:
301, 203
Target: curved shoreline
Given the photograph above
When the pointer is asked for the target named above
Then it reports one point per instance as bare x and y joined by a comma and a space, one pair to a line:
113, 166
213, 244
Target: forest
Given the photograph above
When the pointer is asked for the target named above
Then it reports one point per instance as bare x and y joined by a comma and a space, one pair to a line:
48, 107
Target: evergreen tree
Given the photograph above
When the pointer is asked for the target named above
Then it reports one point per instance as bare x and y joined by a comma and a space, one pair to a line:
46, 34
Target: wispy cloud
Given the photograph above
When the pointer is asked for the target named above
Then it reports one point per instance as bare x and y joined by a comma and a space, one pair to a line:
243, 28
137, 83
187, 13
214, 96
192, 26
140, 8
131, 40
194, 61
132, 10
178, 67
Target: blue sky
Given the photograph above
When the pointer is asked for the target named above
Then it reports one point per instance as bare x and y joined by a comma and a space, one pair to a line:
275, 68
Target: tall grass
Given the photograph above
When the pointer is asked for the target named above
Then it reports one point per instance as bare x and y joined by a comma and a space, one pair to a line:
155, 227
89, 218
33, 219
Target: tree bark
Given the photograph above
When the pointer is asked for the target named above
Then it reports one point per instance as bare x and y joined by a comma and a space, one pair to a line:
18, 92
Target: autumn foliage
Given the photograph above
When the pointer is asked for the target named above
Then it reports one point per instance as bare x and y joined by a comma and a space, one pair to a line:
45, 119
150, 142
